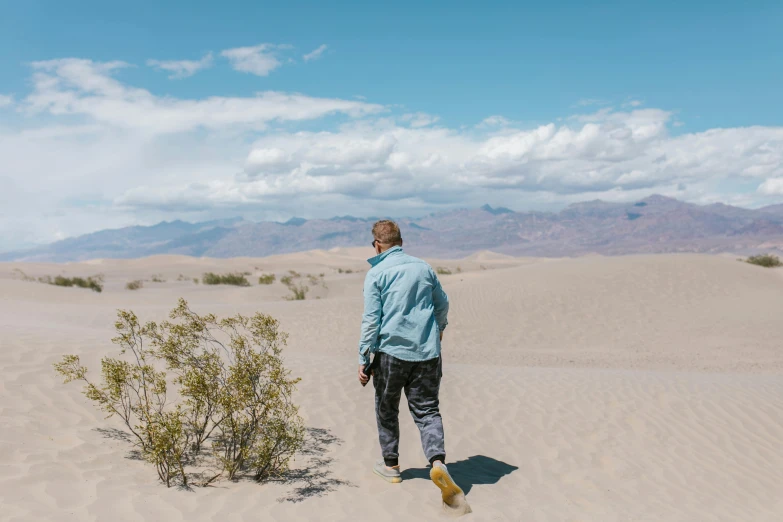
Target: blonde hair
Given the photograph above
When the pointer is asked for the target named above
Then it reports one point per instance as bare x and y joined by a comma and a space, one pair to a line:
387, 232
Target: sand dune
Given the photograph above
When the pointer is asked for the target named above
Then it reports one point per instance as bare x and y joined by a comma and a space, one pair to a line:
645, 388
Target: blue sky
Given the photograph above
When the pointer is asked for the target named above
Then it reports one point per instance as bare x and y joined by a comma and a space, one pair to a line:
577, 102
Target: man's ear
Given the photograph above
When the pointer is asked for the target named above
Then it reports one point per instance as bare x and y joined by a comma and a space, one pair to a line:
400, 242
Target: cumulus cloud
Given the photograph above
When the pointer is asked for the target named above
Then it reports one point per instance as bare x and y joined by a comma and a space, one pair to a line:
182, 68
109, 154
6, 100
772, 187
627, 151
259, 59
315, 53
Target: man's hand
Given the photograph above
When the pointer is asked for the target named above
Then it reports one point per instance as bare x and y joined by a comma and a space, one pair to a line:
363, 379
441, 335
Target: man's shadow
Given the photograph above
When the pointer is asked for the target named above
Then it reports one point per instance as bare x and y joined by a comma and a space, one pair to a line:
477, 469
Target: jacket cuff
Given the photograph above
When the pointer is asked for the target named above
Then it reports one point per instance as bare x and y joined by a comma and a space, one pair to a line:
364, 360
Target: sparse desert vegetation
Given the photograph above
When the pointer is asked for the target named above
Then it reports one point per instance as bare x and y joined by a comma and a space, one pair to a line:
231, 412
266, 279
443, 271
134, 285
42, 323
344, 271
157, 278
765, 260
236, 279
18, 273
316, 280
298, 290
94, 283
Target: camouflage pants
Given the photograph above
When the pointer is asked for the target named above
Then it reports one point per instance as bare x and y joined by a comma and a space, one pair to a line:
421, 382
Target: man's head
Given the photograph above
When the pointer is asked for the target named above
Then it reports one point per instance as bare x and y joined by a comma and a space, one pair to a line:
386, 234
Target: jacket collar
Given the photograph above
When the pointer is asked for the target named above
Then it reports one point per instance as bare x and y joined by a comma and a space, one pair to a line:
380, 257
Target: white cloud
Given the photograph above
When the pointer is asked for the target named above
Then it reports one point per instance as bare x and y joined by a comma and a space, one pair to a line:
494, 121
587, 102
259, 59
772, 187
626, 151
182, 68
86, 88
315, 53
111, 154
633, 103
6, 100
419, 119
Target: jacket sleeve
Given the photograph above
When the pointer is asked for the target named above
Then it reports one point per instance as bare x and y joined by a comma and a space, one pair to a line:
441, 303
371, 320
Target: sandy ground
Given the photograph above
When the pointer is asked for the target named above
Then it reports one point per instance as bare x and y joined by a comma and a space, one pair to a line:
596, 389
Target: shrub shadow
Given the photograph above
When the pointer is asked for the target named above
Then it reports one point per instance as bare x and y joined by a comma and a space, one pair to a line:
475, 470
315, 479
122, 436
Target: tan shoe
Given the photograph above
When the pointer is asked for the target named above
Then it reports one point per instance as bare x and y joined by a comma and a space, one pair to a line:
453, 497
386, 473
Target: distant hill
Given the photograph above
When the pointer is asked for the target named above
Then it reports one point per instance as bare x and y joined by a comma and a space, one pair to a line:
655, 224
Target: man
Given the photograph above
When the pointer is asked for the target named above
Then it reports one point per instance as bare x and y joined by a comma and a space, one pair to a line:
405, 314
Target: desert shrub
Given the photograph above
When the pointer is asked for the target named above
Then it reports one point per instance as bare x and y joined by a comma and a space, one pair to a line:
18, 273
157, 278
134, 285
210, 278
442, 271
344, 271
233, 414
94, 283
266, 279
316, 280
298, 290
766, 260
136, 392
195, 280
182, 277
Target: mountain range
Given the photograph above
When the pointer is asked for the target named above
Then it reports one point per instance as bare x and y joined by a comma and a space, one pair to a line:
656, 224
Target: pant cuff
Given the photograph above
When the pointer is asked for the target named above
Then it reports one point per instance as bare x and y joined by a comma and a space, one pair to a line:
391, 462
441, 458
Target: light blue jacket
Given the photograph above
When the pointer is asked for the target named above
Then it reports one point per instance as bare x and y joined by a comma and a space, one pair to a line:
405, 308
